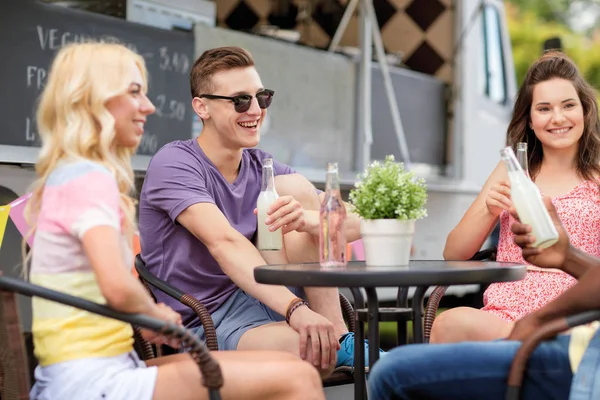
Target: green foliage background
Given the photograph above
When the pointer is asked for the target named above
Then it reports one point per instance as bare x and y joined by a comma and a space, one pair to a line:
531, 22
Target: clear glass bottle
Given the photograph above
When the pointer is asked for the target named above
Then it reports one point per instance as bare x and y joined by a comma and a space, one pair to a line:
332, 221
528, 202
522, 157
267, 240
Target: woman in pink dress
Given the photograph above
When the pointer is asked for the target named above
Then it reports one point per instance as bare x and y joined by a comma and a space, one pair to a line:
557, 115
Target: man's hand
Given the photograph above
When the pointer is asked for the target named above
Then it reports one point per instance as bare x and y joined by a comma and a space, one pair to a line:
551, 257
285, 213
317, 332
525, 327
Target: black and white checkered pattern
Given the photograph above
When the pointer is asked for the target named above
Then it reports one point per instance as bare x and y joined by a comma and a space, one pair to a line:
421, 30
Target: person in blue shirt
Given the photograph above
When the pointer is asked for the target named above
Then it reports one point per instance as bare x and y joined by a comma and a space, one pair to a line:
562, 368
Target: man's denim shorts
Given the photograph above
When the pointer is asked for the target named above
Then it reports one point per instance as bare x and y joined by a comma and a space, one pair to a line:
240, 313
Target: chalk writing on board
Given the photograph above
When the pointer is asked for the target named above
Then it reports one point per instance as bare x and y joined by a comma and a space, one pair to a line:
40, 30
148, 144
30, 134
53, 39
173, 61
36, 76
169, 108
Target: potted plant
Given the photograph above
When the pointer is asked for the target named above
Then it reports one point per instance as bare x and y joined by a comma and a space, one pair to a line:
389, 199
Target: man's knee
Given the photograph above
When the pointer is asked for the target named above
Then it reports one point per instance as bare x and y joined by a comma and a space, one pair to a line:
299, 188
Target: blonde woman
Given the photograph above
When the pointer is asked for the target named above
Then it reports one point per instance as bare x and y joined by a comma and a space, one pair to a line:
91, 118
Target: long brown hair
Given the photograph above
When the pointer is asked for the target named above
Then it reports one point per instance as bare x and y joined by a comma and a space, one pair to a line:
554, 65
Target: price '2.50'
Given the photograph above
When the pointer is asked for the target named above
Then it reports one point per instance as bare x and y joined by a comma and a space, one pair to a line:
169, 108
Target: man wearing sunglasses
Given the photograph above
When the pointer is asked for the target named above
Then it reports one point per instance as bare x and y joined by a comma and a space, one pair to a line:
197, 224
566, 367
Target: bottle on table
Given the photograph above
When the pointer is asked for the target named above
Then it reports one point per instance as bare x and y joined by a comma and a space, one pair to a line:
267, 240
332, 222
528, 202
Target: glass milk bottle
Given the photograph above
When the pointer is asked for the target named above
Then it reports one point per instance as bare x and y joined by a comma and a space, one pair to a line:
528, 202
332, 221
267, 240
522, 157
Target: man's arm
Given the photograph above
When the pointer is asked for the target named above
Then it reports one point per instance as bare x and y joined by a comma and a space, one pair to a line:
236, 255
583, 296
561, 255
579, 263
352, 222
304, 191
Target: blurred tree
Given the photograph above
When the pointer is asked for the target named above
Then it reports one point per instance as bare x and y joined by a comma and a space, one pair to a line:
529, 28
546, 10
564, 12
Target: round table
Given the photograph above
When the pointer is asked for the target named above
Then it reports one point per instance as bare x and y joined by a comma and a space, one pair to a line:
356, 275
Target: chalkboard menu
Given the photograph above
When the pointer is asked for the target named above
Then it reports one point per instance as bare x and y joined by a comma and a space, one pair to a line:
30, 34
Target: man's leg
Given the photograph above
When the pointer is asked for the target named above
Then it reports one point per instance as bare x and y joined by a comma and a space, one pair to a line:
278, 336
470, 370
244, 323
302, 247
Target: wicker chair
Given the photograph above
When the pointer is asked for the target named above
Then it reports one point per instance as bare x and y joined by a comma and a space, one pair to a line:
436, 295
15, 378
339, 377
15, 369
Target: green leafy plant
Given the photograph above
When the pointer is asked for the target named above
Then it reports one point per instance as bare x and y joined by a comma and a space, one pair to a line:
388, 191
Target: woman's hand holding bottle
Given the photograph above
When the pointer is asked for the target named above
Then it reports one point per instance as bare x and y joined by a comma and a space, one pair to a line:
498, 198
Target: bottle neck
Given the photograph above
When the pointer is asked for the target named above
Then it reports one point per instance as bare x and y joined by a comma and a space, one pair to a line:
268, 179
332, 183
522, 158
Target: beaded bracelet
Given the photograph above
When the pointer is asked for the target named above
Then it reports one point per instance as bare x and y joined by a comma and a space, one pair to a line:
294, 305
291, 304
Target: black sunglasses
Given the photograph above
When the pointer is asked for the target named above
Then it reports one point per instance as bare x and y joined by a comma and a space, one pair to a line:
242, 102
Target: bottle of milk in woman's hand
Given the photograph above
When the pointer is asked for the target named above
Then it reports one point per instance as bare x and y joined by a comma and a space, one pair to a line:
528, 202
267, 240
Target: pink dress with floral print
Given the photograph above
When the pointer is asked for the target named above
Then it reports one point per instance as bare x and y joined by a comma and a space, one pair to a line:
579, 211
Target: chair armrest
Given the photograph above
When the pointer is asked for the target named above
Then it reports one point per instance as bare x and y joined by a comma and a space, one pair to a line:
205, 319
142, 346
485, 254
347, 312
433, 303
212, 377
154, 281
210, 332
546, 331
435, 297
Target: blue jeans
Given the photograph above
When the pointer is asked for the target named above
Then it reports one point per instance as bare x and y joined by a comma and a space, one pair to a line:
470, 370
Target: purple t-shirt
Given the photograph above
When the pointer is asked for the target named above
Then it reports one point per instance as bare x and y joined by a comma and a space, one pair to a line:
178, 176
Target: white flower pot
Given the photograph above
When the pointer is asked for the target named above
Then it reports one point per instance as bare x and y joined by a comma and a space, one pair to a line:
387, 242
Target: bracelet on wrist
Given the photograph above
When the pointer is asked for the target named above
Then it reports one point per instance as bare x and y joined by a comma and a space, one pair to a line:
293, 306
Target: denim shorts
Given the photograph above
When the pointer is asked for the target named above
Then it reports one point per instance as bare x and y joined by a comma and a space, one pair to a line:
240, 313
122, 377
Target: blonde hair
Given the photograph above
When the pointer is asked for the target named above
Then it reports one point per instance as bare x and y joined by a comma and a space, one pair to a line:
74, 123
